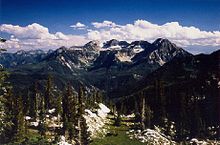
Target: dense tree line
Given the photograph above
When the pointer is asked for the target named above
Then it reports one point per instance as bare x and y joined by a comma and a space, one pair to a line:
180, 110
36, 102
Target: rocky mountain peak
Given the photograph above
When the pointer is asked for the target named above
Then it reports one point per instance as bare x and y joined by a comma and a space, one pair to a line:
60, 50
142, 44
110, 43
114, 42
163, 42
92, 45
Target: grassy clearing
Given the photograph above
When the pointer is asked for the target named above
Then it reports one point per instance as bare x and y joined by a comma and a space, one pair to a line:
118, 135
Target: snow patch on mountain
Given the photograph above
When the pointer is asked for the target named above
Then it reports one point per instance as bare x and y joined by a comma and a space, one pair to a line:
116, 47
155, 137
123, 57
64, 62
138, 49
195, 141
155, 57
103, 110
150, 136
96, 120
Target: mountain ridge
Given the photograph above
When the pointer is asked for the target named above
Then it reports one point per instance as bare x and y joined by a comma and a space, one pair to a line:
122, 51
94, 64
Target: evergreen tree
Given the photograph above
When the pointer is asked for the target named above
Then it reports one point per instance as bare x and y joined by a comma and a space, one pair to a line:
35, 101
19, 120
48, 94
69, 113
92, 100
27, 103
182, 123
72, 107
42, 128
65, 125
65, 98
85, 133
143, 118
137, 110
6, 116
160, 114
148, 116
59, 105
80, 114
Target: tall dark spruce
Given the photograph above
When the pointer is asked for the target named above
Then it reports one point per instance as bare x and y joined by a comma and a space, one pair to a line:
48, 93
6, 105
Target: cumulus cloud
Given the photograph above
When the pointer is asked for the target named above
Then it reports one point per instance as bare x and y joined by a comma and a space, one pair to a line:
36, 36
144, 30
79, 26
104, 24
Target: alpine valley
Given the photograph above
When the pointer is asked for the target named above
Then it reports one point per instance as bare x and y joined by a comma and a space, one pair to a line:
166, 88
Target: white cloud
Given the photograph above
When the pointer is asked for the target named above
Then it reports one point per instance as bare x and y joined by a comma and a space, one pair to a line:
31, 31
104, 24
79, 26
144, 30
36, 36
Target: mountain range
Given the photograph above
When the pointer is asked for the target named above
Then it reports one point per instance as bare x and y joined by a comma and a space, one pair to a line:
115, 67
105, 66
177, 85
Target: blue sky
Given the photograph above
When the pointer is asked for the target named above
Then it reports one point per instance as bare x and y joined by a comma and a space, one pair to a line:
58, 15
